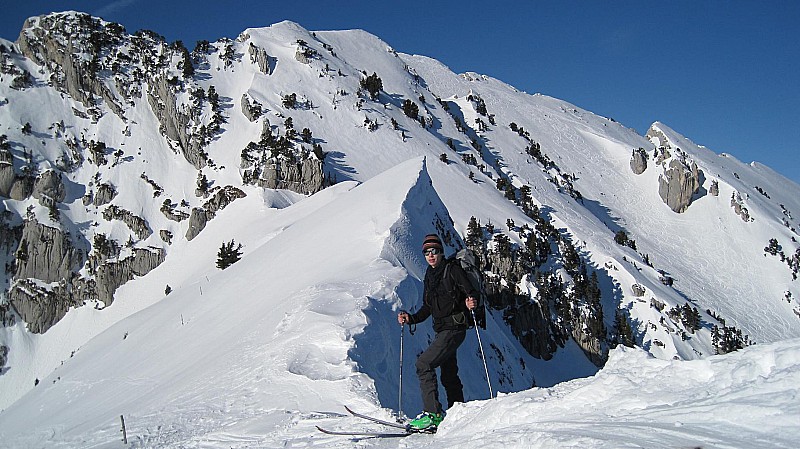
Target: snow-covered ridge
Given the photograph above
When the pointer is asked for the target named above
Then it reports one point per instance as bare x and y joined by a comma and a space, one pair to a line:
314, 317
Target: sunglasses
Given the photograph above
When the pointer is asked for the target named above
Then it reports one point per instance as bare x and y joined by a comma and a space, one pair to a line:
432, 251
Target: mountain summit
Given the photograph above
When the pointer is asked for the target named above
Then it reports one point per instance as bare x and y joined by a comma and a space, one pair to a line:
130, 165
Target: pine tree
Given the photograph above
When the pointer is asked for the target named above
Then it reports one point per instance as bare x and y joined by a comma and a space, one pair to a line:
728, 339
305, 134
228, 255
186, 60
202, 183
503, 245
511, 193
572, 260
290, 101
474, 233
691, 318
624, 332
373, 84
411, 109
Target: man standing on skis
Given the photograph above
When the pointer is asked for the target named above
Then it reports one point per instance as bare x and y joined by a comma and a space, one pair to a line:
448, 296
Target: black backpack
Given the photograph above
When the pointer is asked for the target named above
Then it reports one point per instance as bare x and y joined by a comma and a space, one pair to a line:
468, 261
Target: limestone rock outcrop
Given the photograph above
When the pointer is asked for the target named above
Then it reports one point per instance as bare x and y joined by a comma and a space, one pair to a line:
174, 123
251, 108
171, 213
42, 306
49, 188
39, 307
111, 275
305, 176
737, 203
44, 40
714, 190
21, 187
678, 184
137, 224
259, 56
681, 178
7, 175
639, 161
46, 254
104, 194
202, 215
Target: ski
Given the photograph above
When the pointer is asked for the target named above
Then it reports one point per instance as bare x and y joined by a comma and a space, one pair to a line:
395, 425
365, 434
378, 420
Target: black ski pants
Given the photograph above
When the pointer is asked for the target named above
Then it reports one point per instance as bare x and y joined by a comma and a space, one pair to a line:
441, 354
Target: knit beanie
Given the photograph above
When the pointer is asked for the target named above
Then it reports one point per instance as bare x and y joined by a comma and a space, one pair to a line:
432, 241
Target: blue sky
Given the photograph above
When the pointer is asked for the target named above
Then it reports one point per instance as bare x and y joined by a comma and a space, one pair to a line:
725, 74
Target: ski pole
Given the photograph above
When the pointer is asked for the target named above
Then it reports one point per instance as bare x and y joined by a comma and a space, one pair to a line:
483, 356
400, 393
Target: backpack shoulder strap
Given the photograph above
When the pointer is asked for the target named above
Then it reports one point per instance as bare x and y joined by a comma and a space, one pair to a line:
448, 272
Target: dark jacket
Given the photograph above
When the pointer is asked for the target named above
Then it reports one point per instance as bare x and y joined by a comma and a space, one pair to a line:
446, 289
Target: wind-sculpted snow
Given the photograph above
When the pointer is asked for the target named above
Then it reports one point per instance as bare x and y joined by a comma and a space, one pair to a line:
746, 399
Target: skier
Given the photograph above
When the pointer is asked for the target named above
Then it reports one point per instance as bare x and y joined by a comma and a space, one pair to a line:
449, 299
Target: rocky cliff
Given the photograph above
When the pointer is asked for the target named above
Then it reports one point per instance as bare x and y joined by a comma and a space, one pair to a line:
679, 183
681, 179
47, 283
60, 257
202, 215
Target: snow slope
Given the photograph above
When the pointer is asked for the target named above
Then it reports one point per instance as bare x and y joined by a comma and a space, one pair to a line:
741, 400
260, 353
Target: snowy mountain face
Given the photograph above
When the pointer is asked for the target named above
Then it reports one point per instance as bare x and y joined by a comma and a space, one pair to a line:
127, 163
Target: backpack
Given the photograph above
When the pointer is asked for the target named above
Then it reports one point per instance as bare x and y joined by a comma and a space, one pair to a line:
468, 261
